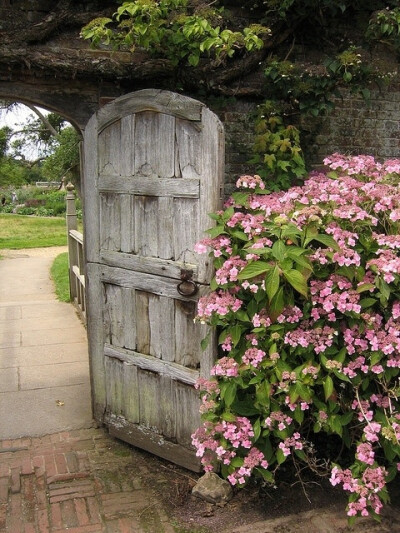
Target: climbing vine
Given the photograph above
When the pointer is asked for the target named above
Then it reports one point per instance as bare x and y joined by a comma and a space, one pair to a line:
216, 37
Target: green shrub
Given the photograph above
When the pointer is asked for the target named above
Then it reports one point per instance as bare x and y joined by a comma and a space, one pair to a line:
306, 298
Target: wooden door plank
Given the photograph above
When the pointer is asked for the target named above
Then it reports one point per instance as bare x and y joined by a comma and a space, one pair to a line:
142, 321
90, 191
110, 149
146, 226
146, 439
154, 100
154, 144
187, 413
129, 315
150, 265
167, 328
110, 222
131, 407
154, 326
189, 149
147, 362
185, 235
127, 141
166, 228
96, 339
187, 347
114, 386
127, 233
150, 185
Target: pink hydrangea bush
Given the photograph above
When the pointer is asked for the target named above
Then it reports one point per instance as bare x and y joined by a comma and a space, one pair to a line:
306, 299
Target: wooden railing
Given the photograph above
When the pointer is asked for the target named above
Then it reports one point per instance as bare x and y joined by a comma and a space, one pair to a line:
75, 255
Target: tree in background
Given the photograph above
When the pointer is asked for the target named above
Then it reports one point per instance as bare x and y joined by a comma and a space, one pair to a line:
43, 148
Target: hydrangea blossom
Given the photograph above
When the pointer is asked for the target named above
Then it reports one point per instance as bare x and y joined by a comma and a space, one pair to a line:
307, 304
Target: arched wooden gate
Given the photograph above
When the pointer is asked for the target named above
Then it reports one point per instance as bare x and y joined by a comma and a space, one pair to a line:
153, 170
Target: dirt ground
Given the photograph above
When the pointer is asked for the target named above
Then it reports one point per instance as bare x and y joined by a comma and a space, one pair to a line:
256, 504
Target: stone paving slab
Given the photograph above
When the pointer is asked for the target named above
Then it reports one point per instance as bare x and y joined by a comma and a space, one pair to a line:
29, 356
37, 411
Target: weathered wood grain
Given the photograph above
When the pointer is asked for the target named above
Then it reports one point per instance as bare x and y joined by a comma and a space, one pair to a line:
152, 442
147, 362
150, 265
150, 185
143, 282
110, 222
155, 171
150, 100
154, 147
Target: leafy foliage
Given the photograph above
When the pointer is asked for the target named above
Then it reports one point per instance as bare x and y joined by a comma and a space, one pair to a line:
65, 158
306, 299
172, 29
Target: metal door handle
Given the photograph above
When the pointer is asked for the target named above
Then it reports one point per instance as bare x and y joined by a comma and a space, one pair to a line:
187, 287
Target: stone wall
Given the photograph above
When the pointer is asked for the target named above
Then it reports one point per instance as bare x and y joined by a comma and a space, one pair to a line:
354, 127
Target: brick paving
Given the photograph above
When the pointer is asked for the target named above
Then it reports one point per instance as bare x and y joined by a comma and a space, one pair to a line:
80, 481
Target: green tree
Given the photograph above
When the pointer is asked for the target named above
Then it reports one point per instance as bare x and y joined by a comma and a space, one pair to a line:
64, 161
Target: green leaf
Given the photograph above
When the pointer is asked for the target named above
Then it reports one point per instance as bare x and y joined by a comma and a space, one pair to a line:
237, 234
347, 418
297, 281
214, 232
240, 197
254, 269
205, 342
245, 408
228, 416
277, 304
328, 387
280, 457
272, 280
235, 332
228, 393
365, 287
324, 239
279, 250
266, 474
257, 429
367, 302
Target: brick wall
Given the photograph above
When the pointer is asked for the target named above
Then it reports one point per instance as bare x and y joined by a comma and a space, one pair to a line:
354, 127
357, 126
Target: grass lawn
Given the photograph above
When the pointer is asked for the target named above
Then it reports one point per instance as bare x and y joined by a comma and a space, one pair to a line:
59, 273
19, 231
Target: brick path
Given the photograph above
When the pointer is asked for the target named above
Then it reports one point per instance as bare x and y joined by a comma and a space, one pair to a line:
80, 481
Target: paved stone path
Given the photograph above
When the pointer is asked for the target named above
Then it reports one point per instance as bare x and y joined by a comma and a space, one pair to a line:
44, 371
79, 481
60, 473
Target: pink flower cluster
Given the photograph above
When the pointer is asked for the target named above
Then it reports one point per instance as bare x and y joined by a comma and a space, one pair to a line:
253, 459
219, 302
278, 419
293, 442
250, 182
237, 434
319, 338
345, 324
372, 481
230, 270
226, 366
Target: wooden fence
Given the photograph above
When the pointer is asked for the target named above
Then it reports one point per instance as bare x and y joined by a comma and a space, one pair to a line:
75, 255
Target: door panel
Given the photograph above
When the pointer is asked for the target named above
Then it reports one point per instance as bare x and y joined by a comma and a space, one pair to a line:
153, 172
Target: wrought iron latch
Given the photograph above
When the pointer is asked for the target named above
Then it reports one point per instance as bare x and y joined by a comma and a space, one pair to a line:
187, 287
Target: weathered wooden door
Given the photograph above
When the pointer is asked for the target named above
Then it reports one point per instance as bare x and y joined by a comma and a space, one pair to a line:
153, 170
